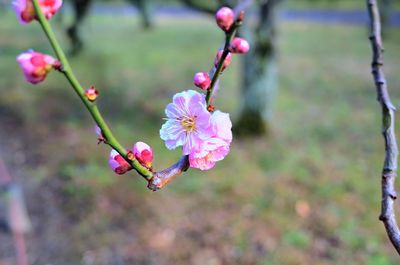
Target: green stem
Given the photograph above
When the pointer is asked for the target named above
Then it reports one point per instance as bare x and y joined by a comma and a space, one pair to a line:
91, 106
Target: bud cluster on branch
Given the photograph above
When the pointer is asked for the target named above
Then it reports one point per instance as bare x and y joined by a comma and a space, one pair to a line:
192, 122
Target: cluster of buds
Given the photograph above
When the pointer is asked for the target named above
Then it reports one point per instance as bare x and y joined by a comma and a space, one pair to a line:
35, 65
204, 133
26, 12
225, 19
141, 151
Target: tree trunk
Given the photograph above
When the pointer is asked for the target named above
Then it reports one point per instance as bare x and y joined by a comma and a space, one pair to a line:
145, 8
259, 74
81, 8
386, 13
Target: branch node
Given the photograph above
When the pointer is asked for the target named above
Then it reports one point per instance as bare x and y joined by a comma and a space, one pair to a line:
383, 218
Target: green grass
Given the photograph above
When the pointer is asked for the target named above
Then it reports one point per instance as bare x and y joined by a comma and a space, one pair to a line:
325, 150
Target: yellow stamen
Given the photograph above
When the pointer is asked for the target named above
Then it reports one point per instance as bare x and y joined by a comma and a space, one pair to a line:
188, 123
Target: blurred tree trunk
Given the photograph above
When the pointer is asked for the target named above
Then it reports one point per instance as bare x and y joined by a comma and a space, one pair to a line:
203, 6
259, 83
386, 13
145, 8
81, 9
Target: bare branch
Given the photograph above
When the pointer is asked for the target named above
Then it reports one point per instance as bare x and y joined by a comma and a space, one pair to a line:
389, 171
160, 179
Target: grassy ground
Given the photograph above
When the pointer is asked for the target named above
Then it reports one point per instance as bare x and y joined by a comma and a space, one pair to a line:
309, 194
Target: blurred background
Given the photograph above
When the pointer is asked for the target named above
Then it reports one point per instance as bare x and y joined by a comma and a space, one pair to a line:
300, 186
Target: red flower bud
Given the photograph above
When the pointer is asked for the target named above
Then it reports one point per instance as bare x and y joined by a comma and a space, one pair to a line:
26, 12
224, 18
239, 45
36, 65
227, 59
118, 163
143, 153
91, 93
202, 80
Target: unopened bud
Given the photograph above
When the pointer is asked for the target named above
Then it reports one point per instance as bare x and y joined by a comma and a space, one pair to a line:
117, 163
211, 108
239, 45
26, 12
35, 65
91, 93
227, 59
202, 80
143, 153
224, 18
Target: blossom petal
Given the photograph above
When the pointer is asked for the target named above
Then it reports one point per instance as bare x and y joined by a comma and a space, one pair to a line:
222, 125
170, 130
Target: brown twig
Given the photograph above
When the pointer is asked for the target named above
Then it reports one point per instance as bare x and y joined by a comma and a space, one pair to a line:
389, 171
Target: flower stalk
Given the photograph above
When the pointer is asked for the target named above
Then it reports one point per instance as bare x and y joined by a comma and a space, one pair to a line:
91, 106
229, 35
156, 180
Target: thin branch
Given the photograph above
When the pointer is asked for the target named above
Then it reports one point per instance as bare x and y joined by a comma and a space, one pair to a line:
217, 71
156, 180
91, 106
160, 179
389, 171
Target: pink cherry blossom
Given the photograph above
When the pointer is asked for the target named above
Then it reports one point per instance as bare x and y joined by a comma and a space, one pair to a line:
224, 18
143, 153
188, 122
202, 80
36, 65
239, 45
215, 148
117, 163
227, 59
26, 12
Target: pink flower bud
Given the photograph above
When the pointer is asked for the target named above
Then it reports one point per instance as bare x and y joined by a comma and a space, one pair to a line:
224, 18
118, 163
35, 65
26, 12
227, 59
202, 80
91, 93
239, 45
143, 153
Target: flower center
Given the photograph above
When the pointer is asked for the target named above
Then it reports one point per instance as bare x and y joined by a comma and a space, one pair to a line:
188, 123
